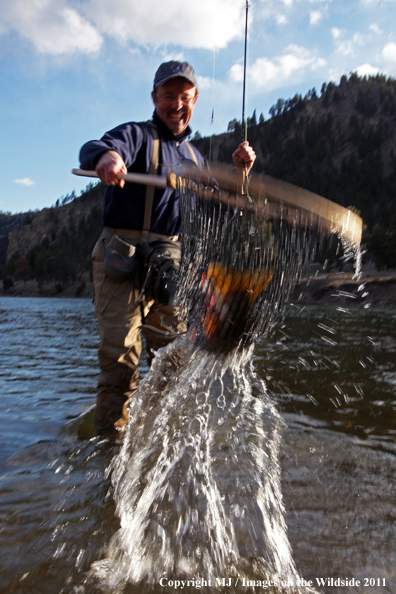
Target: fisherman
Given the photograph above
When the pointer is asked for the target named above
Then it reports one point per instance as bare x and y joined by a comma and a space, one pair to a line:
137, 215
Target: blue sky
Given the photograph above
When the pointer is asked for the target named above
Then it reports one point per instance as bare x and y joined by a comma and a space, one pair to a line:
72, 69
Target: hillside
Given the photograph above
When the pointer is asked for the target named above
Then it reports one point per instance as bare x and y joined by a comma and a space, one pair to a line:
340, 144
52, 246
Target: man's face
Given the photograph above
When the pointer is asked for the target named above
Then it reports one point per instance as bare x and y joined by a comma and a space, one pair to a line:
175, 101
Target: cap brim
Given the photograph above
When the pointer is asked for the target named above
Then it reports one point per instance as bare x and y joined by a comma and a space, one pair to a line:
177, 75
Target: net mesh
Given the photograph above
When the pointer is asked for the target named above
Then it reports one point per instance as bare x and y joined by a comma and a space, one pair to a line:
243, 254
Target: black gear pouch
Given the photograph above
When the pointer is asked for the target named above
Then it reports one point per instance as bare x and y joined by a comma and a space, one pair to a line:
160, 266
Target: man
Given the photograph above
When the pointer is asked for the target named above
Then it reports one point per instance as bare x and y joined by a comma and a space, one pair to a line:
140, 215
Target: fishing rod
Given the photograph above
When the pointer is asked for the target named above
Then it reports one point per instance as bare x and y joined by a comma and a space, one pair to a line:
244, 121
245, 188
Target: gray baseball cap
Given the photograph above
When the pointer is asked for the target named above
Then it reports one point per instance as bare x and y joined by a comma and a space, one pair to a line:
174, 69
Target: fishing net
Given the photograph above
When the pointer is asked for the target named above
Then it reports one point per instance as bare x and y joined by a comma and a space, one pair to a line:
243, 251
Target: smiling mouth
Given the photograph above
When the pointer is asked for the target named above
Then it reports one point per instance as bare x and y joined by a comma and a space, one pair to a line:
176, 115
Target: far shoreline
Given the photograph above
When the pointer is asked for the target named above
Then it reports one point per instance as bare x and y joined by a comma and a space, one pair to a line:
375, 288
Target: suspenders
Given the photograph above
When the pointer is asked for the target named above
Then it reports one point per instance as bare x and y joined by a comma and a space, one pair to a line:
148, 207
194, 158
152, 171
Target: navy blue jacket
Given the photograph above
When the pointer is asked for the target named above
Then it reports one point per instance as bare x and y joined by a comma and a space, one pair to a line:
124, 207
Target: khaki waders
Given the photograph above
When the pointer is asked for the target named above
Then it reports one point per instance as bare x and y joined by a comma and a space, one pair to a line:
120, 321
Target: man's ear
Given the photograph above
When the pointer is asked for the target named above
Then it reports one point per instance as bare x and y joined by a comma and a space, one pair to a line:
154, 97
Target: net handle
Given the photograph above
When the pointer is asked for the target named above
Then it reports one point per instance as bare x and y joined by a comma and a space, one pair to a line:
276, 198
158, 181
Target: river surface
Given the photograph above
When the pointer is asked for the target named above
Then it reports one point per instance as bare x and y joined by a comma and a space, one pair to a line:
319, 432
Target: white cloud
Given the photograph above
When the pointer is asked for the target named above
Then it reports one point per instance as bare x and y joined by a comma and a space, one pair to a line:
334, 74
60, 27
367, 70
315, 17
52, 26
336, 33
371, 2
271, 74
358, 39
281, 19
281, 11
167, 56
204, 83
25, 181
204, 24
346, 47
389, 52
375, 29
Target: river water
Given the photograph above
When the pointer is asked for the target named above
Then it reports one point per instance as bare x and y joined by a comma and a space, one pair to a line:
281, 466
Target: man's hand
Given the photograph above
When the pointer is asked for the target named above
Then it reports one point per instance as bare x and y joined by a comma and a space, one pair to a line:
109, 166
244, 157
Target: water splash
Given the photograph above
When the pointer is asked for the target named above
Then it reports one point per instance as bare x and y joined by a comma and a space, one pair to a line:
197, 482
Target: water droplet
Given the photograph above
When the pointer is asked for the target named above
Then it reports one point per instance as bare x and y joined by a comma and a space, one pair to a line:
221, 402
200, 398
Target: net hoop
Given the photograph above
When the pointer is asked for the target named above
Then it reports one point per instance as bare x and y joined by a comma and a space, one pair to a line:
273, 199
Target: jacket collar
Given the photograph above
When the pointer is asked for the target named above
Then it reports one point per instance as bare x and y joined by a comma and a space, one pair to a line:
168, 133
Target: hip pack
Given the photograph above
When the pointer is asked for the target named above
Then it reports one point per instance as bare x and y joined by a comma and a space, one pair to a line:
120, 262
